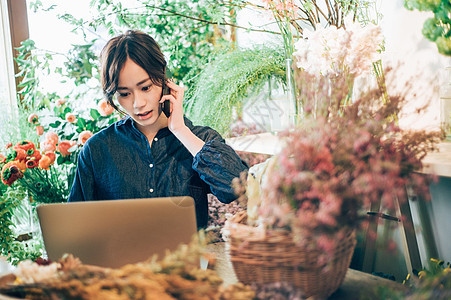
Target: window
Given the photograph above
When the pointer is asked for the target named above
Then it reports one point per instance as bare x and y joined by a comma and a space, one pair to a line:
7, 82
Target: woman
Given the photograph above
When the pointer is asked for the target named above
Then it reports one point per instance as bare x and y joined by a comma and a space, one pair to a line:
147, 154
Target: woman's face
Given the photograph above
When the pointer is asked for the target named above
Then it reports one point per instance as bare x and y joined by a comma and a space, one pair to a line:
139, 97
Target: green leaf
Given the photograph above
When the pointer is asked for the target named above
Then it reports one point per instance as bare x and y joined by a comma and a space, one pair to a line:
67, 110
60, 160
55, 125
94, 113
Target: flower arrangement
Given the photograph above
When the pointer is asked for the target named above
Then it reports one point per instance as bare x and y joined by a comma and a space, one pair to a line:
33, 170
40, 169
340, 161
64, 130
294, 17
326, 38
46, 172
335, 50
331, 59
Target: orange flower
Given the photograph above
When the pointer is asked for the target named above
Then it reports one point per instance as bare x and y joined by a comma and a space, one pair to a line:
84, 136
33, 118
39, 130
104, 108
9, 145
60, 102
50, 155
10, 173
25, 145
64, 147
71, 118
2, 158
21, 165
32, 163
34, 154
51, 138
45, 162
21, 154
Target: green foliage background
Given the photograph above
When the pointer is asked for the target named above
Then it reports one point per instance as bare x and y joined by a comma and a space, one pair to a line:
438, 28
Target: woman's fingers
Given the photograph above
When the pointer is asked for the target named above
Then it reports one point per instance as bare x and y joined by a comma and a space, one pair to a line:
167, 97
176, 89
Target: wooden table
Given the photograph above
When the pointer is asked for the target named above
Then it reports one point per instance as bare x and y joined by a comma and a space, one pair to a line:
438, 163
356, 285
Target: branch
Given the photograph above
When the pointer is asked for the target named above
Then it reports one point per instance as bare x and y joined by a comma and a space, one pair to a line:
207, 21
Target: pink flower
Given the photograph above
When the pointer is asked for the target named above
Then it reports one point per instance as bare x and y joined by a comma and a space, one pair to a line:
39, 130
33, 119
104, 108
326, 243
71, 118
48, 146
51, 137
64, 147
84, 136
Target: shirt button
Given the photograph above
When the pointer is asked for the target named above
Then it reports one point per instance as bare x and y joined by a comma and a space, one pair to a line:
155, 139
151, 165
151, 190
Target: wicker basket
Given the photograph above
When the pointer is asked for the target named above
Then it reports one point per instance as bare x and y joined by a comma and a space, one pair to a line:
270, 256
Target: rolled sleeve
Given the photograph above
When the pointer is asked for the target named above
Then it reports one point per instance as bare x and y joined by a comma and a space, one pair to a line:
218, 164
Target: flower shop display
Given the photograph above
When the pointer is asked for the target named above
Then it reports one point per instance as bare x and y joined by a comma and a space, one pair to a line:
315, 193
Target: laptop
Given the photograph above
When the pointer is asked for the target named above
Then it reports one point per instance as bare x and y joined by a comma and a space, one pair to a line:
114, 233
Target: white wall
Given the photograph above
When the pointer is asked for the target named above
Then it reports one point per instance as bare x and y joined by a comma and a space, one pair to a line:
416, 59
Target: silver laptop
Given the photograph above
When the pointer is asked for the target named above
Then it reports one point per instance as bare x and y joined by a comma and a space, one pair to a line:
117, 232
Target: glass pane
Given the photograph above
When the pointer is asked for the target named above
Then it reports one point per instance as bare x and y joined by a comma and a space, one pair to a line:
7, 81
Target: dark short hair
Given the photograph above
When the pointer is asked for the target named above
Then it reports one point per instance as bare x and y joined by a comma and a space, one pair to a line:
139, 47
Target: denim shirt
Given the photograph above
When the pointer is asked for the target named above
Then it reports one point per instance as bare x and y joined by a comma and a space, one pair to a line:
119, 163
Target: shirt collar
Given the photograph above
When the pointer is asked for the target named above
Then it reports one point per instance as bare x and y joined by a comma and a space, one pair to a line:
127, 120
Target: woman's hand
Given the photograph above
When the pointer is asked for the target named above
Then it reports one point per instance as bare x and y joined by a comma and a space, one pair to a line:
175, 120
176, 124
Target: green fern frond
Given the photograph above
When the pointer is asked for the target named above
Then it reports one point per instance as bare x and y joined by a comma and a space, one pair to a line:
221, 88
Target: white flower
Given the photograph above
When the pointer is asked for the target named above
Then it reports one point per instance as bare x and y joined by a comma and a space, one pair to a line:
30, 272
332, 51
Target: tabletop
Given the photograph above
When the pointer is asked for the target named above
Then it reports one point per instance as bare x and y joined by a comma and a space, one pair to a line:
437, 163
